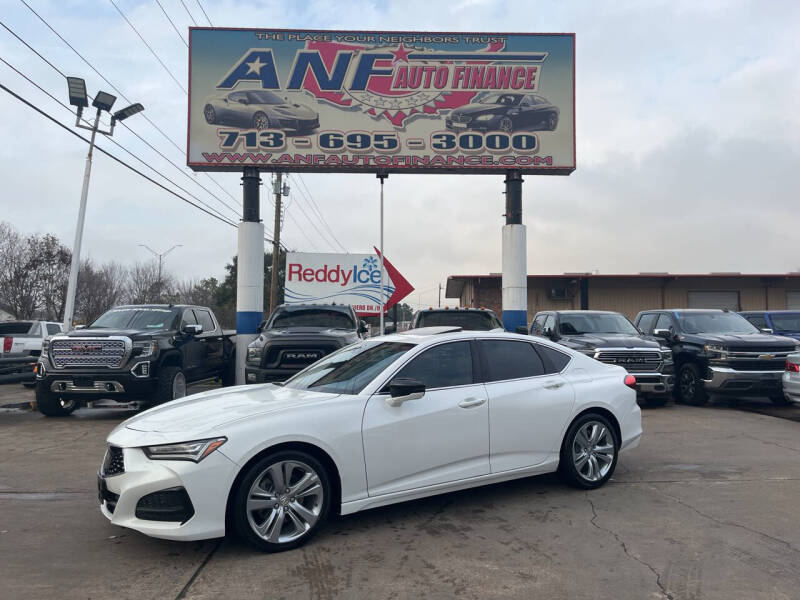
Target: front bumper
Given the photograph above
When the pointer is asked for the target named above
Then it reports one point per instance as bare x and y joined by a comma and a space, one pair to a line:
120, 385
724, 380
260, 375
206, 483
468, 126
654, 384
791, 386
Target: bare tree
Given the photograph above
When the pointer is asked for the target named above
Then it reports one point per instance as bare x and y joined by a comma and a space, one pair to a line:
144, 286
50, 262
99, 289
18, 293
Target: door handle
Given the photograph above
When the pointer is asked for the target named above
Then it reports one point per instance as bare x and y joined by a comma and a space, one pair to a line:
554, 385
471, 402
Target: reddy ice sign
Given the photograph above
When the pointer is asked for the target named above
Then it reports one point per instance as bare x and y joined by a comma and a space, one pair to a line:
345, 101
353, 279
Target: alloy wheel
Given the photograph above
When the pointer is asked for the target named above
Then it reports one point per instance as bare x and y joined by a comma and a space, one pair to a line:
593, 451
261, 121
285, 501
506, 125
178, 386
552, 123
688, 384
210, 114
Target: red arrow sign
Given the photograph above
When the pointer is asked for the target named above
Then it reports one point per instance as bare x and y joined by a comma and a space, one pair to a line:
402, 287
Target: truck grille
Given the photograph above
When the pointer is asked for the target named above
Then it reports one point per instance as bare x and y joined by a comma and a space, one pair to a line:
631, 360
297, 356
113, 462
79, 352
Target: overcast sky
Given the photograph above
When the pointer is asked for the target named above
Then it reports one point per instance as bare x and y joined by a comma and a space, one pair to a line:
688, 141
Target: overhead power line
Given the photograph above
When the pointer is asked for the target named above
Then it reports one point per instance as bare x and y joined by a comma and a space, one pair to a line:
171, 22
191, 16
203, 10
315, 208
116, 89
103, 77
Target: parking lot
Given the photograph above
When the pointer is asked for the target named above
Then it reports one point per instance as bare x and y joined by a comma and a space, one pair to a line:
705, 507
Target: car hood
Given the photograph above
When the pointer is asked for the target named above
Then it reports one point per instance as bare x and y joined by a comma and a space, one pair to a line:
297, 331
609, 340
102, 332
753, 339
475, 109
292, 110
208, 411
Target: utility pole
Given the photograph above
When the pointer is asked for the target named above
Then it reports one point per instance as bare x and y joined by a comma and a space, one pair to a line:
160, 257
382, 175
440, 295
280, 190
515, 278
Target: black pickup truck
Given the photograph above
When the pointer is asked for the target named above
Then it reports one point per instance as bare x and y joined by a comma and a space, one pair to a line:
469, 319
146, 353
720, 352
611, 338
296, 335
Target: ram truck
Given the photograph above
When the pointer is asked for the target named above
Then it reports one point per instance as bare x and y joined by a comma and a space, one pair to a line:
142, 353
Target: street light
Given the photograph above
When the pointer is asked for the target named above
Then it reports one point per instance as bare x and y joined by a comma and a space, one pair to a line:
160, 257
103, 101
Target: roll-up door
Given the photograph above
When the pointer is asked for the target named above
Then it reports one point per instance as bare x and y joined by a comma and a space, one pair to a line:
729, 300
793, 300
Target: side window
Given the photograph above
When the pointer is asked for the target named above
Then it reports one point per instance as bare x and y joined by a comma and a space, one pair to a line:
53, 328
442, 366
758, 320
538, 325
510, 360
646, 323
664, 322
188, 318
554, 361
549, 323
204, 318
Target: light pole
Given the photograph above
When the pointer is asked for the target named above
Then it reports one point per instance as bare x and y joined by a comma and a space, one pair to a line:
160, 257
102, 101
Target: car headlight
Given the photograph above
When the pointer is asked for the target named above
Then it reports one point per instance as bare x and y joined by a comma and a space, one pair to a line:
484, 117
590, 352
254, 354
666, 354
194, 451
45, 348
145, 348
715, 352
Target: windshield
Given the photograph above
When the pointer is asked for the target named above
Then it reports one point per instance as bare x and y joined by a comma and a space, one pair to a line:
578, 324
722, 322
264, 98
19, 329
504, 99
786, 322
467, 320
349, 370
137, 318
329, 319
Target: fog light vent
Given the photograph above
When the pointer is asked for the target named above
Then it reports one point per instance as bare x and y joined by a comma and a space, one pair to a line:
172, 504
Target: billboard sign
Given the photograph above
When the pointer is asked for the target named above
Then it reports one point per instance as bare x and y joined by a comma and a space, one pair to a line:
353, 279
368, 101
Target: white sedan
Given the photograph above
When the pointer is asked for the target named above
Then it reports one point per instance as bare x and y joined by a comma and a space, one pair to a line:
381, 421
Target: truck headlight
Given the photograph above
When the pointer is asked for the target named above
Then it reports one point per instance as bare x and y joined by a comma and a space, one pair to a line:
484, 117
715, 352
143, 349
254, 354
46, 348
666, 354
194, 451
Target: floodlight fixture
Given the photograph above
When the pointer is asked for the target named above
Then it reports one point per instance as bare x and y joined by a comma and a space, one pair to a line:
104, 101
126, 112
77, 92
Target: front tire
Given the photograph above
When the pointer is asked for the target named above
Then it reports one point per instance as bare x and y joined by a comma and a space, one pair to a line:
210, 114
506, 125
551, 123
690, 386
171, 385
260, 121
589, 452
281, 501
51, 404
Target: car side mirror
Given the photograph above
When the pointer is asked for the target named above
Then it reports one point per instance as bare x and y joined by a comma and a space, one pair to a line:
84, 327
550, 333
767, 330
404, 389
362, 327
663, 333
522, 330
260, 327
192, 328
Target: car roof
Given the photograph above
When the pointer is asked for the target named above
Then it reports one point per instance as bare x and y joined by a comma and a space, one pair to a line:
294, 307
430, 335
769, 312
457, 309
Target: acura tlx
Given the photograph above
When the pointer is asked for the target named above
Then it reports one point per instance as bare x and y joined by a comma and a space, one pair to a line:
381, 421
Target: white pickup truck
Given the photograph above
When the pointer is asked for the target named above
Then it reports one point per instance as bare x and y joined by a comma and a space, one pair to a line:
23, 338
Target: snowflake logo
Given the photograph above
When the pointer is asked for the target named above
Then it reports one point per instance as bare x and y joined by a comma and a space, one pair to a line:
370, 263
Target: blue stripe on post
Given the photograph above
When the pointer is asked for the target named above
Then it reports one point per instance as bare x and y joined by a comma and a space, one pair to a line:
514, 318
247, 321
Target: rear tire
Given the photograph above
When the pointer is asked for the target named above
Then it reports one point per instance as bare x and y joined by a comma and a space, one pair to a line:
51, 404
171, 385
280, 513
690, 386
589, 452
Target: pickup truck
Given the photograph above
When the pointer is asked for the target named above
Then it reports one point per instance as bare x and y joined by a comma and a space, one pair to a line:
611, 338
144, 353
469, 319
296, 335
19, 339
720, 352
779, 322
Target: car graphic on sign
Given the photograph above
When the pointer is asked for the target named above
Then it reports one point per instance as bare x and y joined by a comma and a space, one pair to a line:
259, 109
505, 112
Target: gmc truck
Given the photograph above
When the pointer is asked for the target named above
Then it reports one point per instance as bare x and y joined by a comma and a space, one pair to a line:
611, 338
296, 335
720, 352
146, 353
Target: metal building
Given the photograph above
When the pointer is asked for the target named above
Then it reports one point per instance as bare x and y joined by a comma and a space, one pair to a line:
629, 294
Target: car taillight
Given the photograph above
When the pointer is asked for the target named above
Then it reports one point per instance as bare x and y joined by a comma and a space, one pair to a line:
792, 367
630, 381
7, 343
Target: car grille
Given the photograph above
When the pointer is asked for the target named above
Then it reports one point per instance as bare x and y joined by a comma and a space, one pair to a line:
79, 352
460, 118
762, 349
631, 360
297, 357
113, 462
758, 365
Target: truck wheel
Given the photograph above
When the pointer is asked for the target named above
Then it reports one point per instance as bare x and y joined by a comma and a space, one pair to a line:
171, 385
52, 405
690, 386
228, 376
